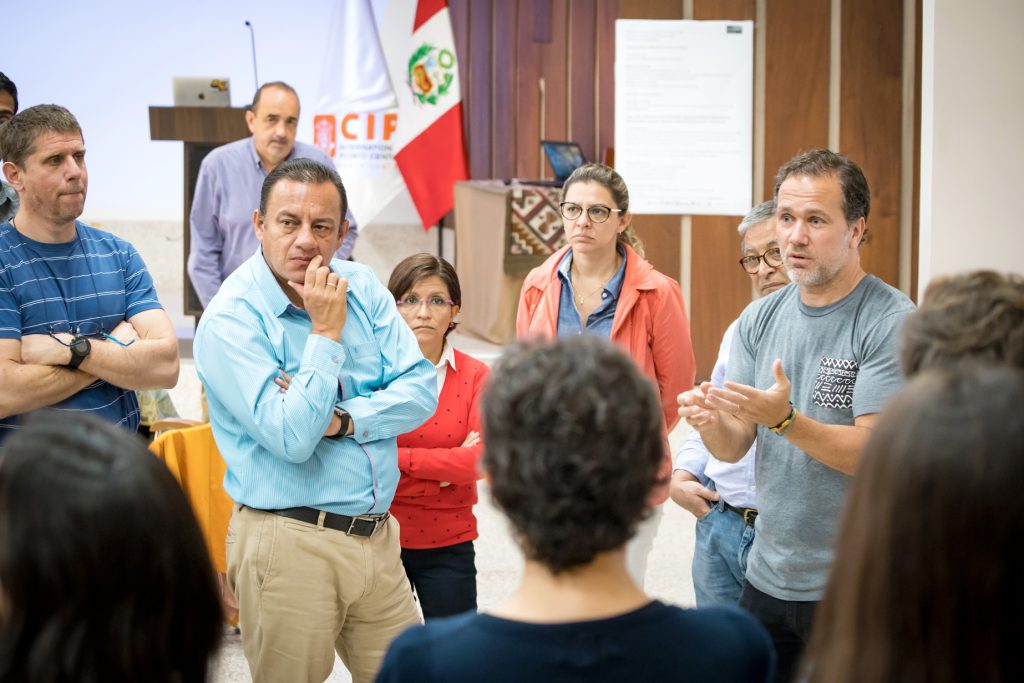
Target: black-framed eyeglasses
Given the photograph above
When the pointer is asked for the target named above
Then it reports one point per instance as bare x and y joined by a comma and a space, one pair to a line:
87, 329
772, 259
598, 213
433, 302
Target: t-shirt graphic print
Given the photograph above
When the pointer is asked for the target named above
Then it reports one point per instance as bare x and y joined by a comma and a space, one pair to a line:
833, 388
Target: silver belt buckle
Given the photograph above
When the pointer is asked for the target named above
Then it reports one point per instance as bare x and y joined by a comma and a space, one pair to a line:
377, 521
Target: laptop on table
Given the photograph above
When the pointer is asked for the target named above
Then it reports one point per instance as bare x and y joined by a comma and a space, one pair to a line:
564, 158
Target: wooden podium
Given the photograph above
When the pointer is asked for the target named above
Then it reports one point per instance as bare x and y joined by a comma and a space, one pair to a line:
201, 129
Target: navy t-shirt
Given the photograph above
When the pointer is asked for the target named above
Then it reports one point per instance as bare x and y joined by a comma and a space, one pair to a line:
96, 277
657, 642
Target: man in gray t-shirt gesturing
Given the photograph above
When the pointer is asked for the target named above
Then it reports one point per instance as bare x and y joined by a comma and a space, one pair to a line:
810, 367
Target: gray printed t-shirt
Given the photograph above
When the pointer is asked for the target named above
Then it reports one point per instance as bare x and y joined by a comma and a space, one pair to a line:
843, 361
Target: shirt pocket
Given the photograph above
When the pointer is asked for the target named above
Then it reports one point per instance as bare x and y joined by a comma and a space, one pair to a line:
362, 370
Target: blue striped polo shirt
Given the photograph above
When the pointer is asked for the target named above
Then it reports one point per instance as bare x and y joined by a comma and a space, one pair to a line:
96, 277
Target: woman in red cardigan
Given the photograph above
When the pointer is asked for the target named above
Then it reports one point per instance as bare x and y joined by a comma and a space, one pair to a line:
599, 284
438, 461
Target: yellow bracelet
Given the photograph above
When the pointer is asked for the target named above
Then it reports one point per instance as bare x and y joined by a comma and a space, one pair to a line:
784, 426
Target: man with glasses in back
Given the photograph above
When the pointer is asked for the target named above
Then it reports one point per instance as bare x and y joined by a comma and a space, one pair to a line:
722, 496
80, 325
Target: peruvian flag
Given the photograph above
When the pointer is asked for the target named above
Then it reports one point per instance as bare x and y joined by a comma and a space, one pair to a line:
416, 36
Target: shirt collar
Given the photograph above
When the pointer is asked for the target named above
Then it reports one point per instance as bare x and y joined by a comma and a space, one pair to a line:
447, 356
613, 287
255, 157
269, 286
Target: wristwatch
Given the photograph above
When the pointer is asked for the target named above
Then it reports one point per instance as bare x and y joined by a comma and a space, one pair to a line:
346, 420
80, 348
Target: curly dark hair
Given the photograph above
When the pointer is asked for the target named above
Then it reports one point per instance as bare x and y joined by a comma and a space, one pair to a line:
104, 572
971, 316
572, 444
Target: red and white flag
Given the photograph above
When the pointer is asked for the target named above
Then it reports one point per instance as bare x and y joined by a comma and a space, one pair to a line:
419, 49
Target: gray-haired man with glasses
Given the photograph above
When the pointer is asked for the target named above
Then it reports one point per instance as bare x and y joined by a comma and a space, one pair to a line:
80, 325
723, 496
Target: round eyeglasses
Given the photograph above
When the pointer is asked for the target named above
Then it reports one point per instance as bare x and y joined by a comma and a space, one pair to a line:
597, 213
433, 302
772, 259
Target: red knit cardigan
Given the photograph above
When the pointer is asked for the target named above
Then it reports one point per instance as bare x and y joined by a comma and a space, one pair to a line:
431, 515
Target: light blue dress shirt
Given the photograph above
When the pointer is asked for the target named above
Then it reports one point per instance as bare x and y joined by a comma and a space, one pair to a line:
272, 441
599, 322
733, 481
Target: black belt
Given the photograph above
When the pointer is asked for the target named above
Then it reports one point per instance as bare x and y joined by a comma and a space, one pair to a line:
748, 514
363, 525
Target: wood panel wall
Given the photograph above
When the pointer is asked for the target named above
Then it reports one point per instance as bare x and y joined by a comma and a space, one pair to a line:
871, 120
545, 68
714, 245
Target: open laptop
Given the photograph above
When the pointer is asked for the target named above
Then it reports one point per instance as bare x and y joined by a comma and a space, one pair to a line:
202, 92
564, 157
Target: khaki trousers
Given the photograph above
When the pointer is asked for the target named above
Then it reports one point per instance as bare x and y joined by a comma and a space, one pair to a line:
306, 592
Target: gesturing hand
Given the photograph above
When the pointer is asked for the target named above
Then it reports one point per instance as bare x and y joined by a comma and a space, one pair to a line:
767, 407
323, 297
694, 408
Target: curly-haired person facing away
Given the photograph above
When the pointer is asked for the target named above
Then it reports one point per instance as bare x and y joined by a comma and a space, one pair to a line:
104, 574
572, 449
973, 316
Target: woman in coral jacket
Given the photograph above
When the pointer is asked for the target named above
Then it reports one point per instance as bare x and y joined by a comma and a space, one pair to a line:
439, 461
600, 284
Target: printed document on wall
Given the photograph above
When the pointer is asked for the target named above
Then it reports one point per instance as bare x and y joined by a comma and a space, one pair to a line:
684, 98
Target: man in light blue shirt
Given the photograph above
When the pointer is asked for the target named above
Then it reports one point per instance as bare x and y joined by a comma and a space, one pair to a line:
228, 189
310, 376
723, 496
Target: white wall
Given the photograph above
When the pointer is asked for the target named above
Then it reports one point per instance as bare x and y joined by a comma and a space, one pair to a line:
972, 137
108, 61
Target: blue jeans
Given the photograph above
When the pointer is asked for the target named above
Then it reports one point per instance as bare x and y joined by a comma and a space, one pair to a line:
720, 556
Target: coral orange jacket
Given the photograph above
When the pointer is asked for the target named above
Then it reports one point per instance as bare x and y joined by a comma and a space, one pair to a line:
650, 324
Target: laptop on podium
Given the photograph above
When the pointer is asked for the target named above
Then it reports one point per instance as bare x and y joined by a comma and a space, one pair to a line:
564, 157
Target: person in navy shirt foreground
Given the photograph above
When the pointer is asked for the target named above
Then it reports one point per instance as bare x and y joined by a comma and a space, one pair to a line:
572, 435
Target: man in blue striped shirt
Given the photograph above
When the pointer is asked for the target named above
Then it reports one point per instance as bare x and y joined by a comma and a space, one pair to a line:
310, 376
80, 325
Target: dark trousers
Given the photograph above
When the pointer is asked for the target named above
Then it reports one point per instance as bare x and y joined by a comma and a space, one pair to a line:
788, 623
444, 579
